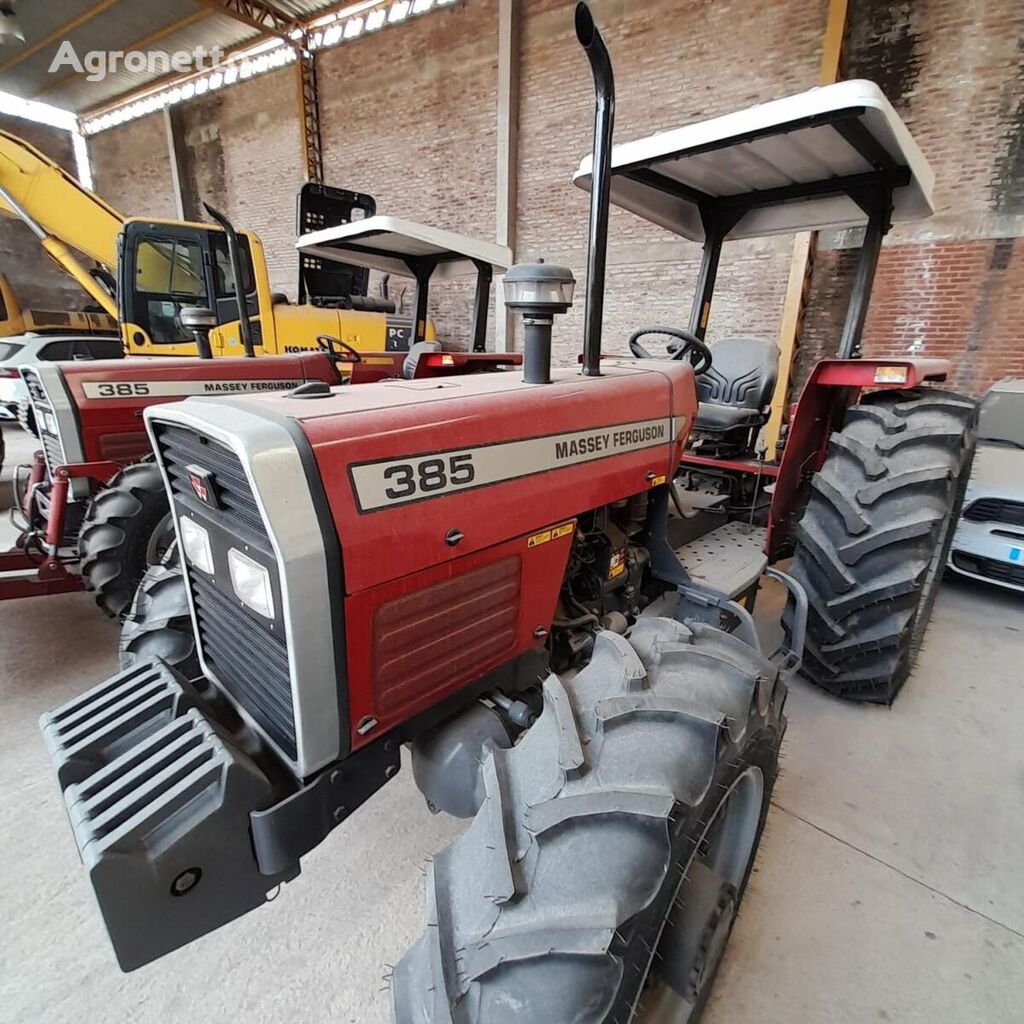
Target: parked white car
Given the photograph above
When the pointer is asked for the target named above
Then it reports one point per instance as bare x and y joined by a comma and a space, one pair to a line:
989, 540
28, 349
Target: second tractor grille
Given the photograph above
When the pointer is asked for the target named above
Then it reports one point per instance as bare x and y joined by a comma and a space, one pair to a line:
996, 510
43, 413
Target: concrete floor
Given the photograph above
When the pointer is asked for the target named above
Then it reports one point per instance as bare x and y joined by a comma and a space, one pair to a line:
888, 887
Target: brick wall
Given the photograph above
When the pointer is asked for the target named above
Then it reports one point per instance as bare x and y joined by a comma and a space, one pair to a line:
408, 115
949, 286
131, 169
37, 281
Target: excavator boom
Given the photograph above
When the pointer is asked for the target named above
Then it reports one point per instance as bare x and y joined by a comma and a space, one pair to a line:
64, 215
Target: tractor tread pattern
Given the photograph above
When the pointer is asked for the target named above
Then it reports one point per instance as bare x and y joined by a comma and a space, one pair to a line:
159, 624
588, 812
885, 500
115, 533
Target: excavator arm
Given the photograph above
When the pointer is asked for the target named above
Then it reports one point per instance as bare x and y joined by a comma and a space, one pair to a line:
64, 215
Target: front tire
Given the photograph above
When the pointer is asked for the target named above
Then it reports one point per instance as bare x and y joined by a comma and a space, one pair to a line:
874, 538
159, 624
118, 539
599, 880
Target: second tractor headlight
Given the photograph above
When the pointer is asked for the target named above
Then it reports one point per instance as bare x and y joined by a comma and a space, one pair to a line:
196, 543
251, 583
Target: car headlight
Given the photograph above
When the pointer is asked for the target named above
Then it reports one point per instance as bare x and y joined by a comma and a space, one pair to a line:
251, 583
196, 543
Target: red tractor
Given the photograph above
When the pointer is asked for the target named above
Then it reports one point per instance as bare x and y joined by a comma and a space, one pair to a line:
93, 511
484, 568
864, 488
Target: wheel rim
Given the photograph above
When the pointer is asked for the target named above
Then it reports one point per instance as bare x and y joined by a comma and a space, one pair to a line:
160, 540
700, 918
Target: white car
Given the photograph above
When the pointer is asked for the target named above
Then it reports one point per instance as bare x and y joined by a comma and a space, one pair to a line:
989, 540
28, 349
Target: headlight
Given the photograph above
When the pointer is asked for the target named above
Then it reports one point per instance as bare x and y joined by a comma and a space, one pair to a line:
196, 542
251, 583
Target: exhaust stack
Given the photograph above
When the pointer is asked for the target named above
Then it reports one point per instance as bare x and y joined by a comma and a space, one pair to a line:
235, 256
600, 184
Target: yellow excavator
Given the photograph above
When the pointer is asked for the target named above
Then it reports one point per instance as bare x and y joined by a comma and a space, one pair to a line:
142, 272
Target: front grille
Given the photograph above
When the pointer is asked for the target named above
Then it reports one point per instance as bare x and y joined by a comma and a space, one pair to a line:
248, 659
992, 568
996, 510
182, 448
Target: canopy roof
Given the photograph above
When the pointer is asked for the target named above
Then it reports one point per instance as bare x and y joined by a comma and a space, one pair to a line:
397, 246
788, 165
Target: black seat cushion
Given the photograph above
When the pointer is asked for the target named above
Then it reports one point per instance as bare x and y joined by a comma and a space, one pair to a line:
737, 388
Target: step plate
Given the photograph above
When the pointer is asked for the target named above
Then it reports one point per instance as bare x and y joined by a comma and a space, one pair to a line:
729, 559
159, 806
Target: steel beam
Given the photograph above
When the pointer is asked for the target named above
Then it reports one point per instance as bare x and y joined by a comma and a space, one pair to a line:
257, 14
506, 178
309, 114
804, 246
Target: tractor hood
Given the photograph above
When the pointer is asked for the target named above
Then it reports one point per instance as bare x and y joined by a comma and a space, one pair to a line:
420, 472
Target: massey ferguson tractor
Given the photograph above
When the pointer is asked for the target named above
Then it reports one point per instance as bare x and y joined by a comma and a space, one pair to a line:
865, 488
92, 508
488, 569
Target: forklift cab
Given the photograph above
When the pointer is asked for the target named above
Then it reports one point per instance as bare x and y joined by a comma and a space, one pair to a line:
834, 157
391, 245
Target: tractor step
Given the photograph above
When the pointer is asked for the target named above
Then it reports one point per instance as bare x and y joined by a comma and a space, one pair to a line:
159, 804
729, 559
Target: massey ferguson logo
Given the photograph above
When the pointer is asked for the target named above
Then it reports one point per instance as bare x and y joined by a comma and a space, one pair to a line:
201, 481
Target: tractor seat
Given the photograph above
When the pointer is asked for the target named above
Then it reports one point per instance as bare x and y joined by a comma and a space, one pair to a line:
737, 388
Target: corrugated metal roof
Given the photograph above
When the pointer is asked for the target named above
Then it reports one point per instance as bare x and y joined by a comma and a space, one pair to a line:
109, 25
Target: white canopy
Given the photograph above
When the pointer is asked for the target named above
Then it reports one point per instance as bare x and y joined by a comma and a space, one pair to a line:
397, 246
782, 157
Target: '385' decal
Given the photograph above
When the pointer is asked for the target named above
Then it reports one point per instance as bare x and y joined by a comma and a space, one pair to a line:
392, 482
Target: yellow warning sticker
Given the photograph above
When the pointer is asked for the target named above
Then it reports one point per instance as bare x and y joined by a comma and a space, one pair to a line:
616, 570
553, 534
657, 481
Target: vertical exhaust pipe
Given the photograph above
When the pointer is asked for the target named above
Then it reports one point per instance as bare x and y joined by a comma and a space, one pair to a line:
600, 184
235, 256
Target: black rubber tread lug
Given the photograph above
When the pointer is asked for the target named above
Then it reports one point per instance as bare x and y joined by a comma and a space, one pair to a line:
854, 551
845, 506
872, 493
871, 464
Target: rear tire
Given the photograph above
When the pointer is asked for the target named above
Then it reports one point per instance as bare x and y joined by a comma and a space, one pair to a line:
116, 540
159, 624
599, 842
873, 541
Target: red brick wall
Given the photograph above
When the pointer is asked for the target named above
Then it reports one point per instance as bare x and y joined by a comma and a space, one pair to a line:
37, 281
946, 287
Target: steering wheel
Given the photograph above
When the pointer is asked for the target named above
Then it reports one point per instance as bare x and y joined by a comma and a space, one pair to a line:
341, 350
699, 353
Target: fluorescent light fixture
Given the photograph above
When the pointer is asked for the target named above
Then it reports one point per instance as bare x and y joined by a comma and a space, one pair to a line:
323, 33
251, 583
196, 543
